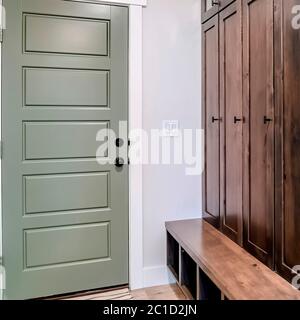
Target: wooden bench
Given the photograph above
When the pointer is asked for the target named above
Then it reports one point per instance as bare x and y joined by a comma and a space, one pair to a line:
209, 266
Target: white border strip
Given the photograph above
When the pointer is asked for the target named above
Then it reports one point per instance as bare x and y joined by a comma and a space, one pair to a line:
135, 171
1, 233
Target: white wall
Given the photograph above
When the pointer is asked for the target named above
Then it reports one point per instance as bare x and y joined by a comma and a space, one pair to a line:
171, 91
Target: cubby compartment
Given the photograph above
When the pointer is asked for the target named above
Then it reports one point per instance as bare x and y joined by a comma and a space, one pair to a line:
173, 256
204, 271
188, 275
207, 289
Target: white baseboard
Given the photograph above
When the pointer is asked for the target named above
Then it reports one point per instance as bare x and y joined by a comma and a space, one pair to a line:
157, 276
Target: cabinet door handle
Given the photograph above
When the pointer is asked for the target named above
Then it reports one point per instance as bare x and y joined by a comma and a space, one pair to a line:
215, 3
236, 119
213, 119
267, 120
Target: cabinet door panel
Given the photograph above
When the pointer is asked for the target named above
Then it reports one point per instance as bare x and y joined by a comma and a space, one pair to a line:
231, 133
209, 9
211, 115
259, 129
288, 146
212, 7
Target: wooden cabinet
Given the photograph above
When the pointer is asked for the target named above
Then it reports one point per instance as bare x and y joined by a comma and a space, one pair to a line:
231, 126
258, 128
209, 9
287, 62
251, 112
211, 121
223, 120
212, 7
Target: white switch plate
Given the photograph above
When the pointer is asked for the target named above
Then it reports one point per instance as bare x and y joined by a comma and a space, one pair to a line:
171, 128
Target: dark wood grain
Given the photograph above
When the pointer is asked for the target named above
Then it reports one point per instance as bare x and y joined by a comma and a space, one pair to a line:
288, 140
231, 128
211, 180
258, 136
236, 273
208, 13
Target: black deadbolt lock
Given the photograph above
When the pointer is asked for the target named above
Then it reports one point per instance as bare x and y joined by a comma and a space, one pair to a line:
119, 142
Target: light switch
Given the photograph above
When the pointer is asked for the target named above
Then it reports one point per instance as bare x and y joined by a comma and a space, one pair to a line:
171, 128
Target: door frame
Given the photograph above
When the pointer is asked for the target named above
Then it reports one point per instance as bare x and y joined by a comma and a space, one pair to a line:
135, 119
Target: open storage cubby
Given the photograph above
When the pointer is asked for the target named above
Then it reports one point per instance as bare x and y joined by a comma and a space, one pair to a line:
207, 289
188, 275
192, 280
173, 256
204, 271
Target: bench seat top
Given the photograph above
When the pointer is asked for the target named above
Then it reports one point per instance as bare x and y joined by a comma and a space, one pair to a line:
239, 275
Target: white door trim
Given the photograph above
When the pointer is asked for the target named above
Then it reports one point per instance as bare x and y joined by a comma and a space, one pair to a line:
135, 122
1, 151
136, 170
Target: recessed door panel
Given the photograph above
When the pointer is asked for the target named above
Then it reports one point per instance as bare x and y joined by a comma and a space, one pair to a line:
53, 246
211, 120
259, 128
63, 88
232, 127
52, 140
65, 35
65, 192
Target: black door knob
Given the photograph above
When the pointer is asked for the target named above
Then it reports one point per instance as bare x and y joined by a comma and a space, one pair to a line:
119, 162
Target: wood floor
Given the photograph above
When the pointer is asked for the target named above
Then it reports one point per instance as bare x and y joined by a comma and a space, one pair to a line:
168, 292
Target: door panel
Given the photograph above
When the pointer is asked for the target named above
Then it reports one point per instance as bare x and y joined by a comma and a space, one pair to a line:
65, 217
40, 27
42, 193
92, 243
63, 88
211, 120
231, 101
259, 129
59, 139
288, 146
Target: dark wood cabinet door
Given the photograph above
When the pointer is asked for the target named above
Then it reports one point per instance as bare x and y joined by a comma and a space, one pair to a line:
258, 30
231, 128
287, 65
209, 8
211, 121
212, 7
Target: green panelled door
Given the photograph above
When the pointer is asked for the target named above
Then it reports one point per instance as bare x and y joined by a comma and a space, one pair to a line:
65, 217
